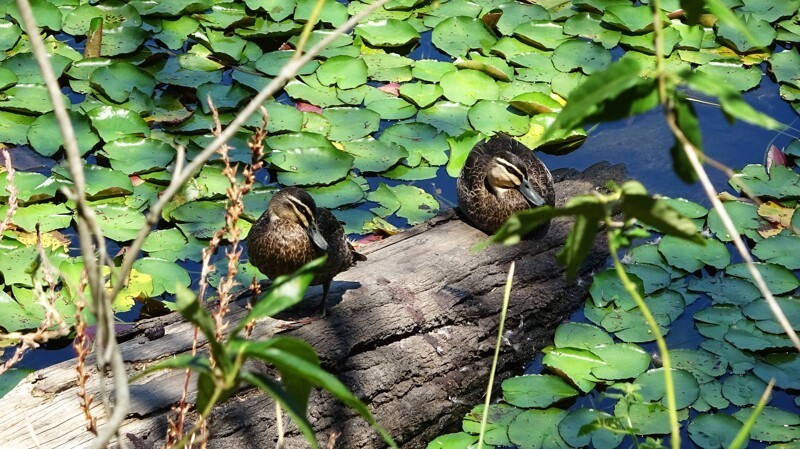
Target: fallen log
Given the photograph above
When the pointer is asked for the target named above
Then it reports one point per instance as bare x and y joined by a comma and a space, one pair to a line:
411, 332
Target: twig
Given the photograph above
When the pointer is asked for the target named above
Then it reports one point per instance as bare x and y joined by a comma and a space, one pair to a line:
12, 190
89, 234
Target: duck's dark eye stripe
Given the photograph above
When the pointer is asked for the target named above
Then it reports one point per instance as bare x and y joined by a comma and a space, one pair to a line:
513, 169
302, 210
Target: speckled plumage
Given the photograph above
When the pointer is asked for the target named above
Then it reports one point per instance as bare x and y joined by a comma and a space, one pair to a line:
486, 207
279, 245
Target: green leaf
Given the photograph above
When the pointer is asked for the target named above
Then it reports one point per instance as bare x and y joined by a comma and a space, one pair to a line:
44, 134
576, 364
387, 33
284, 292
133, 155
743, 390
692, 256
11, 378
582, 427
351, 123
421, 94
372, 155
118, 80
166, 274
468, 86
782, 367
687, 390
498, 418
713, 431
631, 19
537, 429
686, 119
781, 182
623, 361
580, 335
456, 36
113, 123
778, 278
745, 33
409, 202
344, 71
744, 217
460, 440
546, 35
536, 390
308, 165
119, 223
772, 424
489, 117
587, 57
193, 311
420, 140
781, 249
200, 364
725, 289
658, 214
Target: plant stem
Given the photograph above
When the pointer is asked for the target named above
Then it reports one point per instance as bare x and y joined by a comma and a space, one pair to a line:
503, 310
669, 386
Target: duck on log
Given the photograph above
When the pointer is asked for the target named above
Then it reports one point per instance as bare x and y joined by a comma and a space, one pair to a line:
410, 331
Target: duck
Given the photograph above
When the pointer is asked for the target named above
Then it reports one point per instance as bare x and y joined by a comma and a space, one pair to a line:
292, 232
502, 176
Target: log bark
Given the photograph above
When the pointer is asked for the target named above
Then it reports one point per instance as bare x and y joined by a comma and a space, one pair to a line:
411, 332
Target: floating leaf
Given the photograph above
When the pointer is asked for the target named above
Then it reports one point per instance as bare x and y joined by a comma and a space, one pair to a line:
118, 80
387, 33
115, 123
431, 70
409, 202
781, 367
587, 57
623, 361
119, 223
344, 71
469, 86
349, 191
703, 365
446, 116
497, 116
541, 34
133, 154
744, 216
743, 390
498, 419
714, 431
740, 78
692, 256
576, 364
760, 33
372, 155
687, 390
165, 274
778, 278
456, 36
421, 94
630, 18
534, 429
772, 425
738, 361
44, 133
726, 290
49, 216
582, 427
588, 25
536, 390
580, 335
307, 158
420, 140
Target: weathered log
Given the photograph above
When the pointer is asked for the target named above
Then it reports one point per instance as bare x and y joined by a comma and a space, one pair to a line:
411, 331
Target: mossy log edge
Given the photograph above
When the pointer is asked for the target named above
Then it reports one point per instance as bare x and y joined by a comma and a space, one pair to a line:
411, 332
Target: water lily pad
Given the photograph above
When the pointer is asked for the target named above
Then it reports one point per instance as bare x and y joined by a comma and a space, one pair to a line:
117, 80
49, 216
391, 108
372, 155
460, 440
745, 335
581, 427
545, 35
713, 431
9, 34
740, 78
446, 116
420, 140
648, 418
533, 103
631, 19
784, 66
349, 191
13, 317
28, 99
388, 67
133, 154
469, 86
44, 133
431, 70
575, 364
743, 390
119, 223
691, 256
588, 25
344, 71
778, 278
623, 361
271, 63
535, 429
607, 288
405, 173
585, 56
167, 275
409, 202
782, 367
710, 397
456, 36
497, 420
744, 216
307, 159
497, 68
536, 390
725, 289
760, 33
738, 361
202, 219
488, 117
421, 94
772, 425
351, 123
114, 123
387, 33
687, 389
312, 91
580, 335
172, 244
703, 365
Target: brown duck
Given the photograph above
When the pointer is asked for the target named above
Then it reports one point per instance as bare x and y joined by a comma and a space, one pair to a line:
502, 176
292, 232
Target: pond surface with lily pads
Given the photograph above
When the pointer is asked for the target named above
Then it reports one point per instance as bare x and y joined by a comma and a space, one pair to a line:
378, 126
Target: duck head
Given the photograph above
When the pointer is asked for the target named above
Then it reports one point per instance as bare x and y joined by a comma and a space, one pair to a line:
508, 172
296, 205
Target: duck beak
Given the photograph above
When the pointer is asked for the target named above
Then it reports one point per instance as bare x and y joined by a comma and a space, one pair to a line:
526, 189
316, 237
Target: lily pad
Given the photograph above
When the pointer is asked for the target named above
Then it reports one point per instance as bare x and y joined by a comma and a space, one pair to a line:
744, 216
691, 256
351, 123
587, 57
469, 86
779, 279
760, 33
119, 223
387, 33
545, 35
536, 390
581, 428
132, 154
623, 361
703, 365
687, 389
740, 78
772, 424
726, 290
49, 216
498, 419
344, 71
349, 191
580, 335
714, 431
575, 364
115, 123
421, 94
372, 155
489, 117
456, 36
420, 140
118, 80
44, 134
589, 25
781, 367
743, 390
431, 70
535, 429
446, 116
409, 202
307, 159
167, 275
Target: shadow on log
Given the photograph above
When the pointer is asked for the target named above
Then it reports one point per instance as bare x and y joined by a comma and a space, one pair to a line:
411, 332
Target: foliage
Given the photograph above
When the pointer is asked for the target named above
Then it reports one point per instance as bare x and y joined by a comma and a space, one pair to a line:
222, 372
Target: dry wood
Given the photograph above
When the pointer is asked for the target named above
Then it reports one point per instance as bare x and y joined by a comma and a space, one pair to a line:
411, 331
